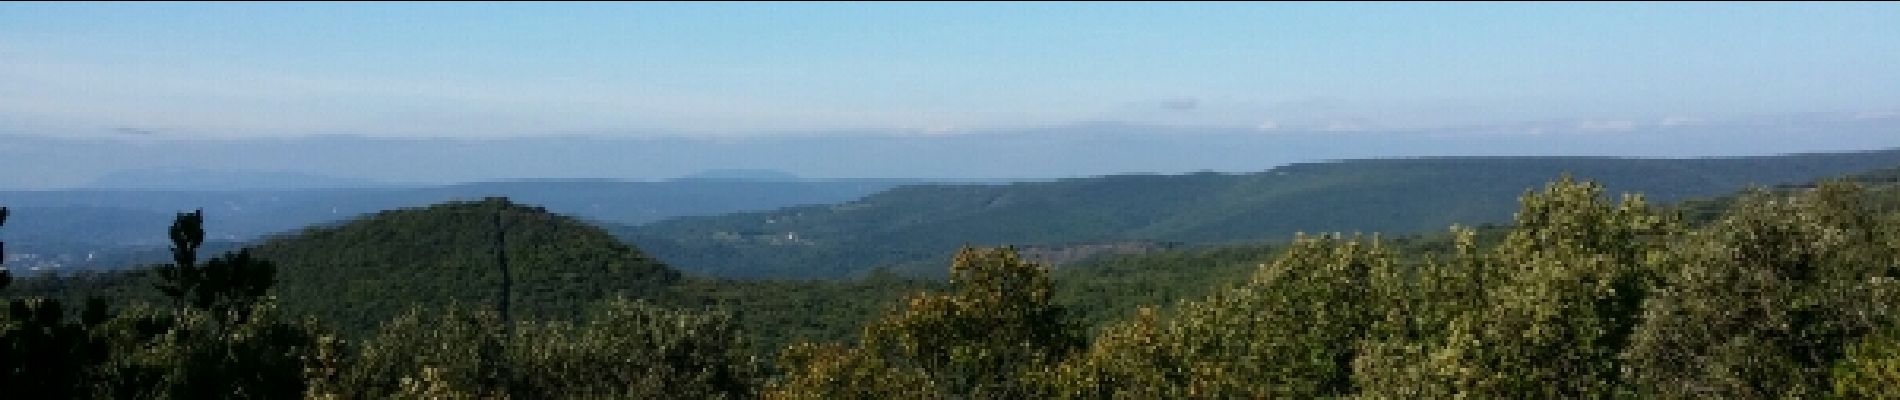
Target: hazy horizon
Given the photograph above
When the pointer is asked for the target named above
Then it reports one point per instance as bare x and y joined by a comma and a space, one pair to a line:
711, 69
432, 93
1000, 155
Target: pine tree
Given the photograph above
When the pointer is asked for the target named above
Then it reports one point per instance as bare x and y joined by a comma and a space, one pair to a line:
227, 286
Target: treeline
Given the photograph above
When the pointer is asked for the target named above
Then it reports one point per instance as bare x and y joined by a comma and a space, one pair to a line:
1784, 294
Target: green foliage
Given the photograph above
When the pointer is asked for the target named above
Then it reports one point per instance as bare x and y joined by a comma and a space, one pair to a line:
182, 275
630, 349
1870, 369
831, 371
1553, 304
1760, 304
1138, 358
778, 313
1410, 337
979, 340
451, 351
226, 286
627, 349
42, 354
1289, 332
1111, 289
190, 353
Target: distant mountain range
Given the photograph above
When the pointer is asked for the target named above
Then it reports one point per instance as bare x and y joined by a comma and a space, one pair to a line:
1027, 153
911, 226
64, 226
203, 179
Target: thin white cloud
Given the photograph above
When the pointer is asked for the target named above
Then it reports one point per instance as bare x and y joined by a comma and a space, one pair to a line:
1606, 126
1343, 126
940, 129
1681, 121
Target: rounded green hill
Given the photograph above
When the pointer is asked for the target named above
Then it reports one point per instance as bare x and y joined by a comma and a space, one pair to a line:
359, 273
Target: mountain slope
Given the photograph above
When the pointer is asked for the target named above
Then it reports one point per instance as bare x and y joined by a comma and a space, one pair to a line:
368, 270
912, 224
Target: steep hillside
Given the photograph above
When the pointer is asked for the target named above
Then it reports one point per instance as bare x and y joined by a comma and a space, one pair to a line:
368, 270
912, 224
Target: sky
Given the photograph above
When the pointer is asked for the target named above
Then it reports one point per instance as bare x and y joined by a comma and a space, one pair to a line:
217, 70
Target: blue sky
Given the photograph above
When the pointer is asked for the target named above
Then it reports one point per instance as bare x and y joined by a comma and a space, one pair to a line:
520, 69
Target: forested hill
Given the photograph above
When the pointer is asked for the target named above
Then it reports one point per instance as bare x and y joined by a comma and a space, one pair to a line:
359, 275
910, 225
371, 269
65, 227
